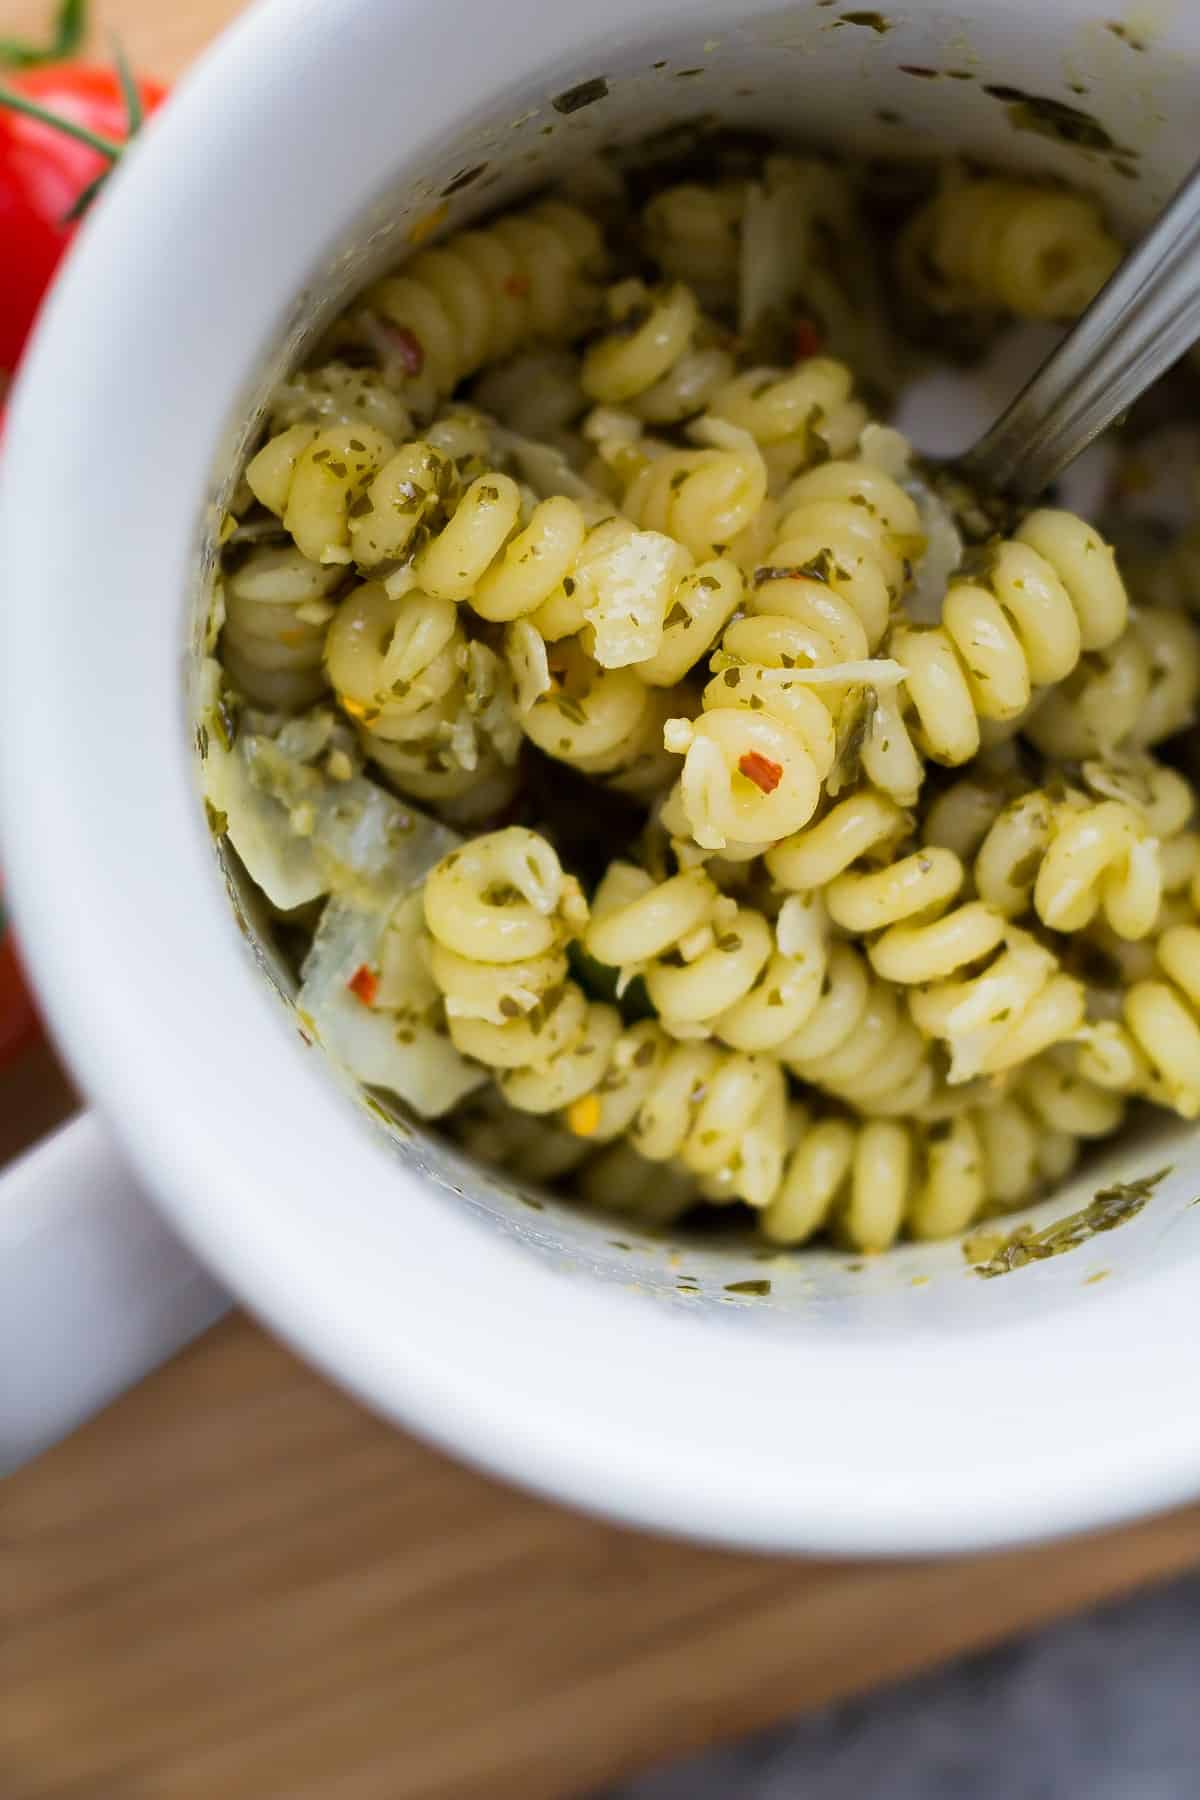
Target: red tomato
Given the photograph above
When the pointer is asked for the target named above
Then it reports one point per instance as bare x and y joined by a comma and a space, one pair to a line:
42, 173
18, 1022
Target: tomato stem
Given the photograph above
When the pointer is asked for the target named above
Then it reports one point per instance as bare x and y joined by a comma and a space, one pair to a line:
68, 35
32, 110
129, 89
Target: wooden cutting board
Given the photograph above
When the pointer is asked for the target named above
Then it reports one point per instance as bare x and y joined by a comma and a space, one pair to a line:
237, 1583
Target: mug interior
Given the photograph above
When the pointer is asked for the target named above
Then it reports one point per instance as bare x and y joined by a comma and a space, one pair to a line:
866, 1405
1105, 112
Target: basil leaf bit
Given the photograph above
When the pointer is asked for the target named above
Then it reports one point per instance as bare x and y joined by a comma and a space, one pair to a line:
69, 26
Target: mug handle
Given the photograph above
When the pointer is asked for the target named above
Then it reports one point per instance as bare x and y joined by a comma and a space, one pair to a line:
95, 1290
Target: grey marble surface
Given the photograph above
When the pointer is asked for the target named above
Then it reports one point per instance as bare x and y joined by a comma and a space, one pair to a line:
1106, 1707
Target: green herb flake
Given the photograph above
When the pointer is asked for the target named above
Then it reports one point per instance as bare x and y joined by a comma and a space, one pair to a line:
584, 93
757, 1290
820, 567
462, 180
870, 21
991, 1254
1052, 118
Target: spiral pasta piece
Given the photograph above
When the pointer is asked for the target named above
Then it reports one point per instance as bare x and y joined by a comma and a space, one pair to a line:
715, 968
1153, 1049
868, 1181
799, 416
498, 912
1068, 856
693, 233
434, 710
708, 497
336, 393
865, 1182
1140, 689
1051, 592
1022, 1002
278, 606
484, 294
905, 906
985, 241
767, 738
408, 517
1108, 845
662, 359
608, 723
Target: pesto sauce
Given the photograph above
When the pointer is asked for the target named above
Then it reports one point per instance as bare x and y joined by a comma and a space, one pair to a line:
993, 1253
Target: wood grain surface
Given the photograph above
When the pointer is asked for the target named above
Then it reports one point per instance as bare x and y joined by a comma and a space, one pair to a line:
236, 1583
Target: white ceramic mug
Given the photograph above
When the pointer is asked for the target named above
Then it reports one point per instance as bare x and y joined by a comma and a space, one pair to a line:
903, 1405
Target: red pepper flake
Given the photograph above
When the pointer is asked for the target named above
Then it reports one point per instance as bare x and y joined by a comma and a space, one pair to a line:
364, 984
408, 347
517, 286
759, 769
806, 340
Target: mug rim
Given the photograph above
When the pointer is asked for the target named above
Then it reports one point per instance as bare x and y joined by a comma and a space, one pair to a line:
135, 956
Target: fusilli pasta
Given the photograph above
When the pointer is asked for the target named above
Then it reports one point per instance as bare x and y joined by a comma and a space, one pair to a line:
1067, 855
867, 1180
434, 710
714, 968
498, 913
1049, 593
984, 241
1140, 689
693, 232
484, 294
817, 608
1154, 1048
663, 359
278, 606
659, 539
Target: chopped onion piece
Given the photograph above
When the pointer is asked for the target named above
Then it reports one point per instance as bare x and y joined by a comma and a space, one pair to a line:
401, 1046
